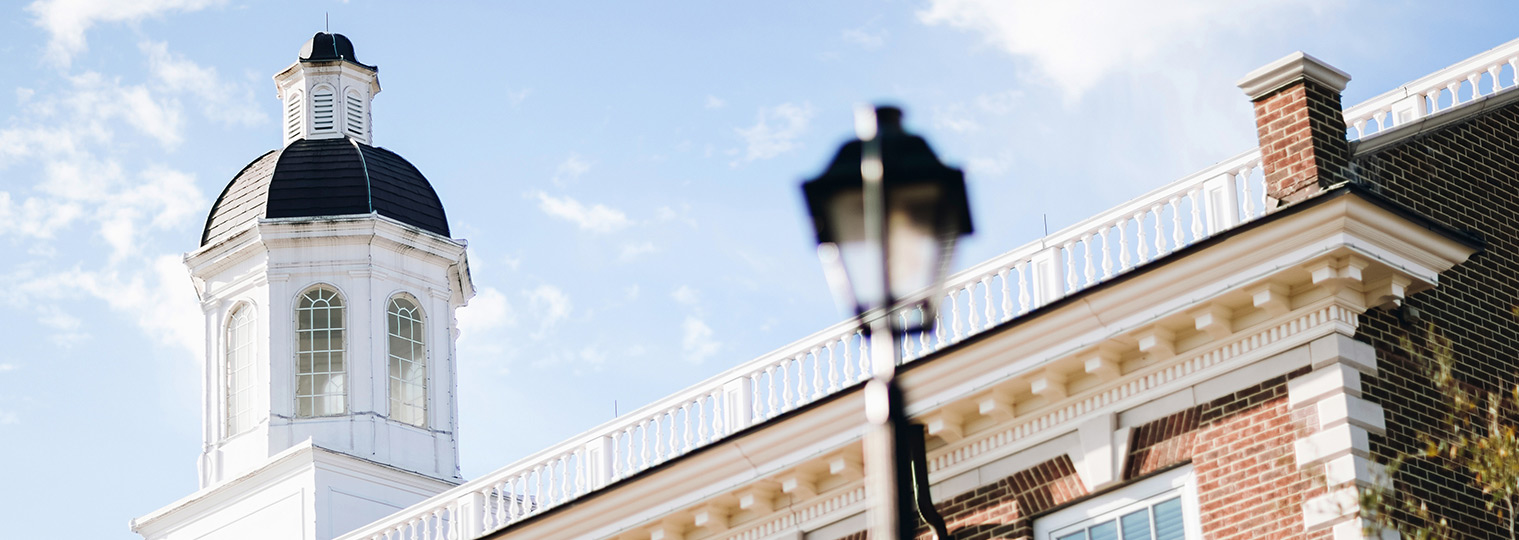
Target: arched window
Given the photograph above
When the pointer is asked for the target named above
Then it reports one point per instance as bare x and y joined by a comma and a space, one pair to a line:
408, 362
240, 370
293, 116
354, 105
320, 382
322, 109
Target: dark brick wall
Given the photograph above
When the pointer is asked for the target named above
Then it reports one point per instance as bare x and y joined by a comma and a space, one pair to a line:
1465, 175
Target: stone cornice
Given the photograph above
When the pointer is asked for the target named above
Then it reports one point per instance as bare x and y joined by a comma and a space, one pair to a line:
1288, 69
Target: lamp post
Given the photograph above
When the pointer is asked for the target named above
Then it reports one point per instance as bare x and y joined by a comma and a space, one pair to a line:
887, 214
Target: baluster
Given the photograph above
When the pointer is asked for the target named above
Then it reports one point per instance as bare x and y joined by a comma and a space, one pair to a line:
848, 358
1453, 87
954, 316
564, 479
541, 498
786, 384
632, 451
1107, 252
817, 373
986, 290
1091, 265
801, 379
1513, 65
864, 355
690, 434
1475, 78
1360, 128
1176, 232
1124, 261
923, 342
1492, 73
1070, 265
437, 519
1007, 295
659, 440
1023, 292
674, 434
1379, 116
939, 328
975, 314
1197, 212
833, 366
1160, 230
906, 340
756, 398
775, 393
709, 432
1244, 180
1143, 249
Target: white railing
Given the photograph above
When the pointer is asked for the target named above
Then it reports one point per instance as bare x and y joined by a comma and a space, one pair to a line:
1437, 92
977, 299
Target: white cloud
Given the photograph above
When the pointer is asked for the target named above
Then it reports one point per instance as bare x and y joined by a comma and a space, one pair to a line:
776, 130
1075, 44
7, 367
954, 118
220, 101
66, 21
634, 250
697, 344
597, 218
550, 306
999, 103
9, 417
685, 295
571, 170
489, 310
631, 292
865, 38
714, 102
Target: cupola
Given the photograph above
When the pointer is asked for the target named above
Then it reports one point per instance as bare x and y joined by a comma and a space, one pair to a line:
327, 92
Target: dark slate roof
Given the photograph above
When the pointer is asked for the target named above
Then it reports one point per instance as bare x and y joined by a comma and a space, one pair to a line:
325, 47
327, 177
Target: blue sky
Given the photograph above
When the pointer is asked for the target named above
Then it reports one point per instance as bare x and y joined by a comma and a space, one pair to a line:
625, 172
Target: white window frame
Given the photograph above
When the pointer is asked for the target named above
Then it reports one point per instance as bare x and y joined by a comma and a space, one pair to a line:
419, 316
1113, 504
338, 347
236, 420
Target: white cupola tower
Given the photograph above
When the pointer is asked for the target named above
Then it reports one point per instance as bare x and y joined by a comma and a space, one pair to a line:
329, 285
326, 92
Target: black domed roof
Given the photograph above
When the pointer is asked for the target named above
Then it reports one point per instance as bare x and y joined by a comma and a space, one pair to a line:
327, 177
325, 47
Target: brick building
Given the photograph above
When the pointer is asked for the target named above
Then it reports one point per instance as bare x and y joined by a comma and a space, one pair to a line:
1222, 357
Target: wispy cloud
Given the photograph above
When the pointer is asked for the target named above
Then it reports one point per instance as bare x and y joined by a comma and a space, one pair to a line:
597, 218
220, 101
697, 342
550, 305
571, 169
685, 295
1075, 44
67, 21
865, 37
775, 130
714, 102
634, 250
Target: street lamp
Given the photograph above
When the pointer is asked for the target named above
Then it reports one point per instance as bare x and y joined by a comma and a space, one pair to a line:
887, 214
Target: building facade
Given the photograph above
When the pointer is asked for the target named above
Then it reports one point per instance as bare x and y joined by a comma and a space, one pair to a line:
1233, 355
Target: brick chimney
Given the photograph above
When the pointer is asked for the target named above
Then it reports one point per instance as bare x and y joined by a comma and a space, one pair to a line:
1300, 124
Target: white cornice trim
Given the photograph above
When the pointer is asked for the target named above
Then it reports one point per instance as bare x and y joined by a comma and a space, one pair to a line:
1291, 68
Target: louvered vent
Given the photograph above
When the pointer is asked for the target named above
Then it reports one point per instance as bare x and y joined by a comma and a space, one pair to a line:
293, 117
321, 110
355, 107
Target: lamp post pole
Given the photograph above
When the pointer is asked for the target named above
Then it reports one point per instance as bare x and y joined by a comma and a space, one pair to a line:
888, 472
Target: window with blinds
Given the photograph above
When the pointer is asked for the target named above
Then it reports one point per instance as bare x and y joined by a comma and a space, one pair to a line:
1162, 507
354, 106
293, 116
322, 102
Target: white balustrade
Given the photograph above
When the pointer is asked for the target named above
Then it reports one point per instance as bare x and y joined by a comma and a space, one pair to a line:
826, 362
1437, 92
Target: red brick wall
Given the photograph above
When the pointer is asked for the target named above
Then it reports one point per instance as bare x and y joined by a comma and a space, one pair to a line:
1302, 136
1465, 175
1240, 447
